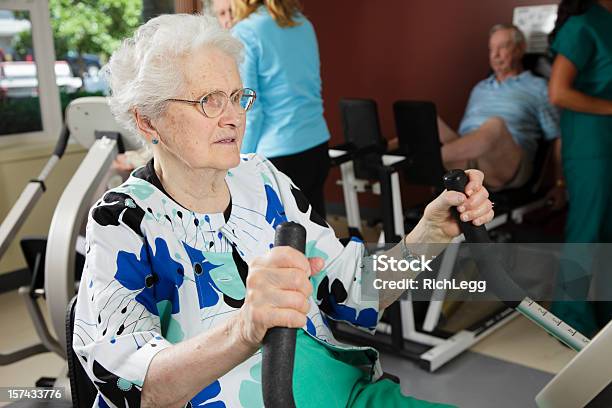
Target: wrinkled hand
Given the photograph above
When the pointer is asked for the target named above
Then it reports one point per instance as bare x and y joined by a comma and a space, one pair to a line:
473, 206
277, 293
557, 198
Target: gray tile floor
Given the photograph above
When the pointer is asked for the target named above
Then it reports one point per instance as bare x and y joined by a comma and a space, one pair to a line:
472, 380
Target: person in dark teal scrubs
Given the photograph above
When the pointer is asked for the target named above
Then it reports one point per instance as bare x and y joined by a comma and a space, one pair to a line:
581, 84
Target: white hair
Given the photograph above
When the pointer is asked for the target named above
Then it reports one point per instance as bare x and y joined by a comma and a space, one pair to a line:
145, 70
517, 35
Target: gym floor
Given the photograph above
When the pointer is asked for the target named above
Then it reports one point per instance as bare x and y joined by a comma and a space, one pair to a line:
508, 367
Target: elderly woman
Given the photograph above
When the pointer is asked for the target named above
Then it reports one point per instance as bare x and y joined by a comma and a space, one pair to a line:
182, 280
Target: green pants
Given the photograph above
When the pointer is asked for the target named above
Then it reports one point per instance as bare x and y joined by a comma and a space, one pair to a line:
322, 378
589, 221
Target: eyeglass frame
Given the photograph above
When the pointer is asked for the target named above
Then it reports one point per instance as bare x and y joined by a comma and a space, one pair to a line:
228, 100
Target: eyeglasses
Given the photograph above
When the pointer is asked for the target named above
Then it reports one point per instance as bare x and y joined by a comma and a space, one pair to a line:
214, 103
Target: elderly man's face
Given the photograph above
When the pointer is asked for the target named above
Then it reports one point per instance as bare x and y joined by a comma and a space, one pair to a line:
223, 11
504, 54
199, 141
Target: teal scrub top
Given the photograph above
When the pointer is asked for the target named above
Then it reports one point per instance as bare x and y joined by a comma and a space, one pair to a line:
586, 40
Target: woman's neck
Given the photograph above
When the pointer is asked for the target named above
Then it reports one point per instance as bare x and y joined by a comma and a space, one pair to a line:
199, 190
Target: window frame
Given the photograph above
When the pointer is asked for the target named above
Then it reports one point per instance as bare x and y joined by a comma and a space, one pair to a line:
44, 58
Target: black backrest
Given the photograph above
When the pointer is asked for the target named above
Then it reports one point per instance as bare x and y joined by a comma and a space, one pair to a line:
81, 387
417, 129
540, 163
362, 129
539, 64
34, 249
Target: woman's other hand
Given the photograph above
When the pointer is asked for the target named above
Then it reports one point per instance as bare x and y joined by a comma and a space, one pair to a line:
122, 163
473, 206
277, 293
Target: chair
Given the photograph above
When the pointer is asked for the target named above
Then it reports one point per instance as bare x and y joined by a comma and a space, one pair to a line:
82, 389
519, 201
408, 328
368, 169
417, 130
362, 130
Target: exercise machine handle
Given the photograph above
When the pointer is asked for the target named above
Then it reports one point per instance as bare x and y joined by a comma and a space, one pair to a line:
488, 266
492, 270
456, 180
279, 342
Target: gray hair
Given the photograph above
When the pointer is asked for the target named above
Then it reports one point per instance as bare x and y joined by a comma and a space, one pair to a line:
517, 35
143, 71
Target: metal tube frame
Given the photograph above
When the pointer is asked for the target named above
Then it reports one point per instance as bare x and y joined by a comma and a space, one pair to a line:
67, 220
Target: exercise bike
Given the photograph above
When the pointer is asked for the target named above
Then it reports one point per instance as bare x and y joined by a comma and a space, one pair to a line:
586, 381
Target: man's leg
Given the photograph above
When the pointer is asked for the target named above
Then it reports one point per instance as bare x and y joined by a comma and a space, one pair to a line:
446, 134
491, 144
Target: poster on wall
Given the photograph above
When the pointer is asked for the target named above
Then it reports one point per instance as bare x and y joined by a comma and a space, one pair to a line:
536, 22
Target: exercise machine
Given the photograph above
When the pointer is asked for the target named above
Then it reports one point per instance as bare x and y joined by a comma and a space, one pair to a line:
8, 230
585, 382
91, 123
406, 330
98, 107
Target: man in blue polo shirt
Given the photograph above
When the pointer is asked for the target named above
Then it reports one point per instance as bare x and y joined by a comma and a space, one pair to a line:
506, 115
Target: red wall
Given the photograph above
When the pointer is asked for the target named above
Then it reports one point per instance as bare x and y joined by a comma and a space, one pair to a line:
403, 49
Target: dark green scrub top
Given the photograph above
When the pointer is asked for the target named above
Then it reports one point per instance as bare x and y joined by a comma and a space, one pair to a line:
586, 40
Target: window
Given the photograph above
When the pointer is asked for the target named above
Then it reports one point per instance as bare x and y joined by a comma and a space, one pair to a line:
19, 104
29, 97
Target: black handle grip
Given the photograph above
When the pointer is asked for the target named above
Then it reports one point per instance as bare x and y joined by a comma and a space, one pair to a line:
279, 342
456, 180
490, 267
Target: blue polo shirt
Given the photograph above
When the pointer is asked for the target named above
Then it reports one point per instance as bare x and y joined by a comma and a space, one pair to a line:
282, 66
522, 101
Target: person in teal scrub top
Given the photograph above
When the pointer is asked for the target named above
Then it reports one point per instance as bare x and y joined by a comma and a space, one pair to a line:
581, 84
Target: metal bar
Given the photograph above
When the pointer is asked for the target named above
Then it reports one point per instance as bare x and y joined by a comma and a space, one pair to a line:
18, 214
386, 197
437, 356
67, 219
446, 270
353, 216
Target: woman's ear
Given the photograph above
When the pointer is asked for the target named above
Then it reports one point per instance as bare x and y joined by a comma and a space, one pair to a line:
145, 127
